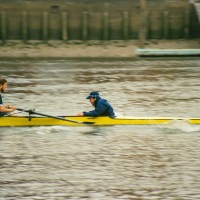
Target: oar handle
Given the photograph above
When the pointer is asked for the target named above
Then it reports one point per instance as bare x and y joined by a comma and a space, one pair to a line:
24, 110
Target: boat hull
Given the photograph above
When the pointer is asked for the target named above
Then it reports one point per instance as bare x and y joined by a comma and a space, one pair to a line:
97, 121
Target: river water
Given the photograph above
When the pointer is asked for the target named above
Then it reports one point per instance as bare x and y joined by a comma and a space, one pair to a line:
102, 163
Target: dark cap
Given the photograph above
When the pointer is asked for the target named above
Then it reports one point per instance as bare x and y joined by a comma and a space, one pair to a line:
93, 95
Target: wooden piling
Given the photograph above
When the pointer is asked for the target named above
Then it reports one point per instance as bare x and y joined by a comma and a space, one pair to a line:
176, 26
155, 25
64, 26
45, 26
85, 26
143, 23
166, 24
105, 26
24, 27
187, 24
125, 25
3, 27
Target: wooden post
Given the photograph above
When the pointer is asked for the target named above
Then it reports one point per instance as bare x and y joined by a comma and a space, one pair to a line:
24, 26
125, 25
143, 23
166, 24
186, 24
45, 26
3, 26
85, 26
64, 27
105, 26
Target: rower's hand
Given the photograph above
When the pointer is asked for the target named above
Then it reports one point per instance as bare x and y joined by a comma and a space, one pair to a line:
7, 106
13, 108
80, 115
10, 108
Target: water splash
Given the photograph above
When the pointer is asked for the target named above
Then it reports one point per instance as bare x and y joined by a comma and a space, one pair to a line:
181, 125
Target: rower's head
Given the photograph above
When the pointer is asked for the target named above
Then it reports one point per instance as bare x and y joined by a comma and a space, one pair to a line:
93, 96
3, 85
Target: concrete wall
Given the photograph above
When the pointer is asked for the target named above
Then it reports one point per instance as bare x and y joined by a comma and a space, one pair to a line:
95, 20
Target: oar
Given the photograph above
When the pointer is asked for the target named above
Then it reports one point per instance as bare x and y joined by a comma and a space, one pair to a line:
55, 117
12, 114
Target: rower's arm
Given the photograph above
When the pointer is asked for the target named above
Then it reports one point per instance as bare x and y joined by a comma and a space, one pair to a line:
99, 110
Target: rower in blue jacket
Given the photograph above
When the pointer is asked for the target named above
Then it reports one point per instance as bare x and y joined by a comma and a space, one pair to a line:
102, 107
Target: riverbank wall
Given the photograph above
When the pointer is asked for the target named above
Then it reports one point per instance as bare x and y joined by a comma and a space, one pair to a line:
104, 20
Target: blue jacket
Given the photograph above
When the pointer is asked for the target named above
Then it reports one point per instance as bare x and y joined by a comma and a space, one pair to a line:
102, 108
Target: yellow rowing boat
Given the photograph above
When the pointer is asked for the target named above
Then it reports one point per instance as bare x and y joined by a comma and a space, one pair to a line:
98, 121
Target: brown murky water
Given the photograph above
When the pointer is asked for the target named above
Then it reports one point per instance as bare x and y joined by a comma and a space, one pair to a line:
102, 163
